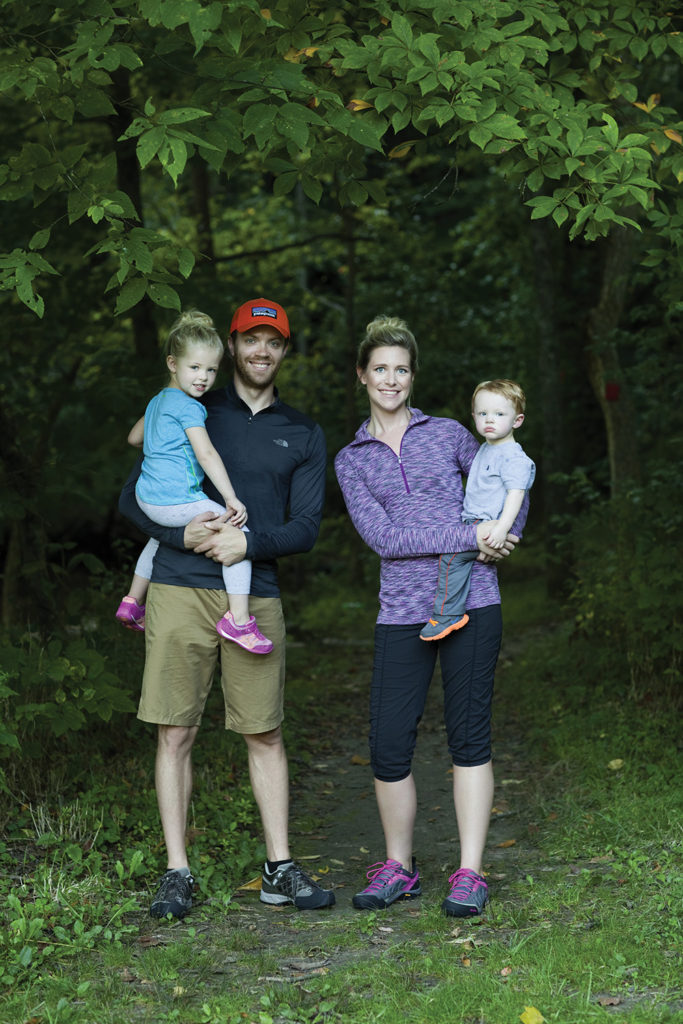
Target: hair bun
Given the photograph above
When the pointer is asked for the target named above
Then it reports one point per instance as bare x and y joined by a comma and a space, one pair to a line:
194, 318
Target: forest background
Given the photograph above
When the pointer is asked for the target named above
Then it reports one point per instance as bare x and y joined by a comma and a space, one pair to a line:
505, 176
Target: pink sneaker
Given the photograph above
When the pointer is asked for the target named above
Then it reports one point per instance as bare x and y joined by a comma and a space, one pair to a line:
248, 636
131, 614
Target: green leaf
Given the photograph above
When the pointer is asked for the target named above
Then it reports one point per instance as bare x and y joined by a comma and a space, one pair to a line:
284, 183
479, 135
367, 133
148, 145
186, 262
542, 206
560, 215
401, 28
312, 187
180, 115
163, 295
611, 130
131, 293
40, 239
77, 204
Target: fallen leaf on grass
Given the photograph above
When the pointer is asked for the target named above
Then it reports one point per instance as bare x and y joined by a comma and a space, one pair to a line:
150, 940
178, 991
615, 764
608, 1000
512, 782
465, 961
531, 1016
254, 885
357, 759
506, 843
506, 971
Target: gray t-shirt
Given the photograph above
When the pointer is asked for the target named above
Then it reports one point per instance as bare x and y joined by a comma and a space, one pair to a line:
497, 469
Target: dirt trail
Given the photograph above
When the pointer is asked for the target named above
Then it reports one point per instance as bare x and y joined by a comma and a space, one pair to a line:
336, 834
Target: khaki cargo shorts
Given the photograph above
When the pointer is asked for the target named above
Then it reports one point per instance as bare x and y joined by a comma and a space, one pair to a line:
182, 648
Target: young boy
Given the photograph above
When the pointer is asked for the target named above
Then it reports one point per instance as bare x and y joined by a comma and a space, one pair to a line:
498, 479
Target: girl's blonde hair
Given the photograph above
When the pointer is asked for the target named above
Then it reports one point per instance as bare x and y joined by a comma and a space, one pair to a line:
509, 389
192, 328
385, 331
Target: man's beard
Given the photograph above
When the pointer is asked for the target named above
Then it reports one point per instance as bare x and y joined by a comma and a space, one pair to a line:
245, 373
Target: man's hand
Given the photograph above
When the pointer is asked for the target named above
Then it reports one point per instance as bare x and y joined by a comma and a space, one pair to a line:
222, 542
488, 554
195, 531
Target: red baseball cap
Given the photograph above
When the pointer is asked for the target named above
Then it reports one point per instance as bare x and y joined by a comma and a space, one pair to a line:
260, 311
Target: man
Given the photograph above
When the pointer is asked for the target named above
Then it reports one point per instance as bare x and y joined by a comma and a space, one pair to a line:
276, 460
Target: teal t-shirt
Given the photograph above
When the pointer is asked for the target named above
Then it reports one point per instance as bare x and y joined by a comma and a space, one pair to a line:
170, 472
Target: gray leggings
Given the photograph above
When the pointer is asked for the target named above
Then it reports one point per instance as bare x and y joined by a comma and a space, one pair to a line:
237, 578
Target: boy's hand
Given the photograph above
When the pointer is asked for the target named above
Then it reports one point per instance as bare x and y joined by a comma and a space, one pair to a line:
496, 535
489, 554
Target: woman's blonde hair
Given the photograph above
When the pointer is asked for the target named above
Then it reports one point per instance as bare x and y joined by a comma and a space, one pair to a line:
385, 331
192, 328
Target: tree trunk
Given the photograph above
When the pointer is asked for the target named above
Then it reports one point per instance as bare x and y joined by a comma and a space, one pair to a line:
549, 259
604, 367
128, 180
201, 209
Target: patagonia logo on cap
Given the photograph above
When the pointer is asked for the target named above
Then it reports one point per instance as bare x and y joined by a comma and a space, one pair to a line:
264, 311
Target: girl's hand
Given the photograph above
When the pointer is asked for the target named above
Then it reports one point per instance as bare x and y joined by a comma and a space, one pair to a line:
237, 512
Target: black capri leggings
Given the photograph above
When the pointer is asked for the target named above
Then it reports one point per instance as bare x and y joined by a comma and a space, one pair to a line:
403, 669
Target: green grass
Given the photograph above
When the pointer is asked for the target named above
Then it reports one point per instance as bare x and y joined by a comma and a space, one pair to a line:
592, 916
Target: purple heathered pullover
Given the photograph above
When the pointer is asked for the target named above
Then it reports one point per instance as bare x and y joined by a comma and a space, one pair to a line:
407, 509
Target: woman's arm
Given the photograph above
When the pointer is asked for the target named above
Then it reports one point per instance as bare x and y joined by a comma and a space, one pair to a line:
382, 535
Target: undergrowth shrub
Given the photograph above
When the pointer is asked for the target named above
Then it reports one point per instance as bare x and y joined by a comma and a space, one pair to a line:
626, 599
54, 687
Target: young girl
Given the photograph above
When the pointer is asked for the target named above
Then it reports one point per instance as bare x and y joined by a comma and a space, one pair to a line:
178, 453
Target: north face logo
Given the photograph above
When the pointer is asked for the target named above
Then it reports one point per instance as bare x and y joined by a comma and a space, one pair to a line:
281, 441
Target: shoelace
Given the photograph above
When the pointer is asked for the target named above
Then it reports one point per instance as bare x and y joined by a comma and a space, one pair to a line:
176, 885
384, 873
463, 883
293, 879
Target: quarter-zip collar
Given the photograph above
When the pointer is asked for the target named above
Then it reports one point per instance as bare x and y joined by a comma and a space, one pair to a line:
363, 435
235, 399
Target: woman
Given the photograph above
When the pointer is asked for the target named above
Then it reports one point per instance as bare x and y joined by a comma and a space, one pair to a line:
402, 482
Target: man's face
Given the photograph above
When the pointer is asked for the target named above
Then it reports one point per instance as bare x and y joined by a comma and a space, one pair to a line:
257, 355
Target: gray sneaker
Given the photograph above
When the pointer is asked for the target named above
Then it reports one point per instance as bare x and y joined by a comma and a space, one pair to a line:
469, 894
174, 896
389, 882
439, 627
289, 884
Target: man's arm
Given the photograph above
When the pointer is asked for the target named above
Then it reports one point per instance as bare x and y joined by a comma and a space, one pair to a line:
128, 507
225, 544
